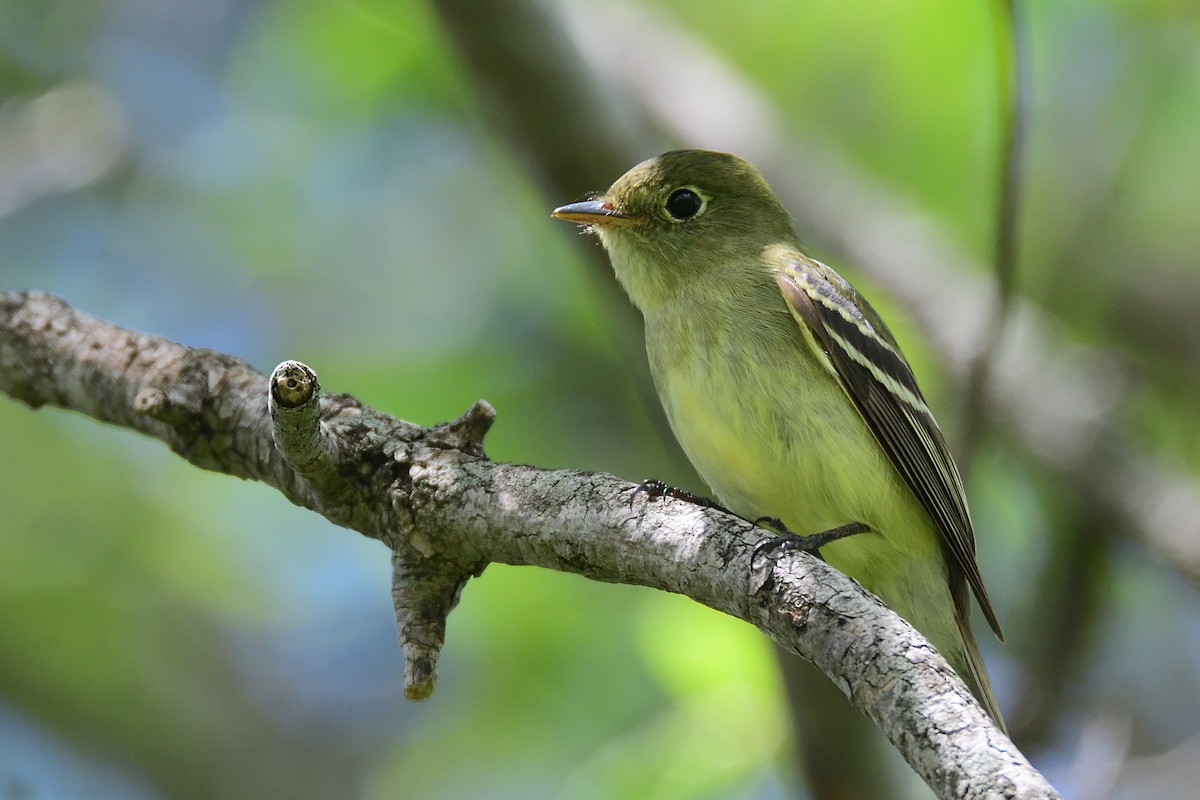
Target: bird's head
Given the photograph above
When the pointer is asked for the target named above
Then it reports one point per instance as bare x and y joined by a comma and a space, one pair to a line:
680, 215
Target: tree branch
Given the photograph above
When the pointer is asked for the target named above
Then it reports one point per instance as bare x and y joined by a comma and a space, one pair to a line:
446, 511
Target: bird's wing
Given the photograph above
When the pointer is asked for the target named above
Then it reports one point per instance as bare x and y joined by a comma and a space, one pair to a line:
876, 376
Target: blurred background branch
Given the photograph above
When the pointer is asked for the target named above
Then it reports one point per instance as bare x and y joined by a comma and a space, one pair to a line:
1013, 107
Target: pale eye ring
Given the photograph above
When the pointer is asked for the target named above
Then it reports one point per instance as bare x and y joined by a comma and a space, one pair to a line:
685, 203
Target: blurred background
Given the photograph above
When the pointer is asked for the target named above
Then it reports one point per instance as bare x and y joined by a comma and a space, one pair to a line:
365, 185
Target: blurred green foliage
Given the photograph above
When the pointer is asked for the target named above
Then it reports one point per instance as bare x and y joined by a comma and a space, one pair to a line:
311, 179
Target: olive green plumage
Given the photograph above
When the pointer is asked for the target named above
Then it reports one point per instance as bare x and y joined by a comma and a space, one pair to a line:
788, 393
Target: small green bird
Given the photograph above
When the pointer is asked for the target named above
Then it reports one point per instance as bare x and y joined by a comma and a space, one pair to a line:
787, 391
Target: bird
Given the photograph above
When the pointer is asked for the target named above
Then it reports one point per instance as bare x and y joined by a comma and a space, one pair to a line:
788, 393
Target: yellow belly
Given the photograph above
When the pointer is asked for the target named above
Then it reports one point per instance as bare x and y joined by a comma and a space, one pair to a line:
780, 438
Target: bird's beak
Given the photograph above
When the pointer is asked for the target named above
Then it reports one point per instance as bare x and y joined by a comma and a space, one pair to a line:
593, 212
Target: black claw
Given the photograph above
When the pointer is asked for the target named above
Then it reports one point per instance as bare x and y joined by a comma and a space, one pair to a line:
775, 524
654, 488
809, 544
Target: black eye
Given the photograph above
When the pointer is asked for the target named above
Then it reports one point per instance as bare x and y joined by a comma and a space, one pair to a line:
684, 204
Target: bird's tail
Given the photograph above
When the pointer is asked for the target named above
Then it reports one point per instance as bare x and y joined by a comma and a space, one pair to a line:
971, 669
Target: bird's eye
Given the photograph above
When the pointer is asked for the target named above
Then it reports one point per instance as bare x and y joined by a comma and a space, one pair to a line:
684, 204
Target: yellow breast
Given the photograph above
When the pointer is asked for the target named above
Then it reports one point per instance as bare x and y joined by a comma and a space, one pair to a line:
778, 437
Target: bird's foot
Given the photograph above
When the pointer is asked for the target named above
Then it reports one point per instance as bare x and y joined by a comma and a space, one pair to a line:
811, 543
654, 488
